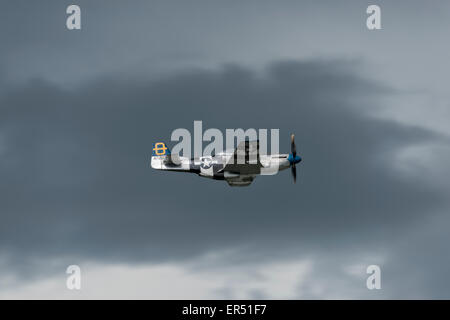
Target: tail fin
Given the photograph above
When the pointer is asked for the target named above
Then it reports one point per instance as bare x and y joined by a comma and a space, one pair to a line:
162, 159
160, 149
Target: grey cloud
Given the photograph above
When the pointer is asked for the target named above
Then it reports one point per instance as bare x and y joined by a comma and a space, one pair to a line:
76, 178
156, 36
76, 133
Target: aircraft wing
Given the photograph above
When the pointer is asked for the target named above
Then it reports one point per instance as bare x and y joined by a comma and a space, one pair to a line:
245, 159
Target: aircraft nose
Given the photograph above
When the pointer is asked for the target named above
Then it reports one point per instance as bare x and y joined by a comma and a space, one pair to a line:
293, 159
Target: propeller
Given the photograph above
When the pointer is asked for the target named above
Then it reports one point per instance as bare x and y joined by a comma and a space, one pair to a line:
293, 158
293, 148
294, 172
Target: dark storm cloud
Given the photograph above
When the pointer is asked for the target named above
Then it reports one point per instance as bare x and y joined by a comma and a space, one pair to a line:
76, 179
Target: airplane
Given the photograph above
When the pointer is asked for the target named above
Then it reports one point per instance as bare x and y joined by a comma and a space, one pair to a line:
237, 167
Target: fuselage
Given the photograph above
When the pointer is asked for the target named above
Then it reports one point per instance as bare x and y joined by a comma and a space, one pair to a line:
214, 166
237, 167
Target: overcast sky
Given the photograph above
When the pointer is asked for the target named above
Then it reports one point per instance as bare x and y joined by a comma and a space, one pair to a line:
79, 111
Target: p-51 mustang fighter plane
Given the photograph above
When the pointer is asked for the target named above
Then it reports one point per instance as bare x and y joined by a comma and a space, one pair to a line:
238, 167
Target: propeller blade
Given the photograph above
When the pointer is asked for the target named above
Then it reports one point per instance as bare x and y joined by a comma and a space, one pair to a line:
294, 172
293, 148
